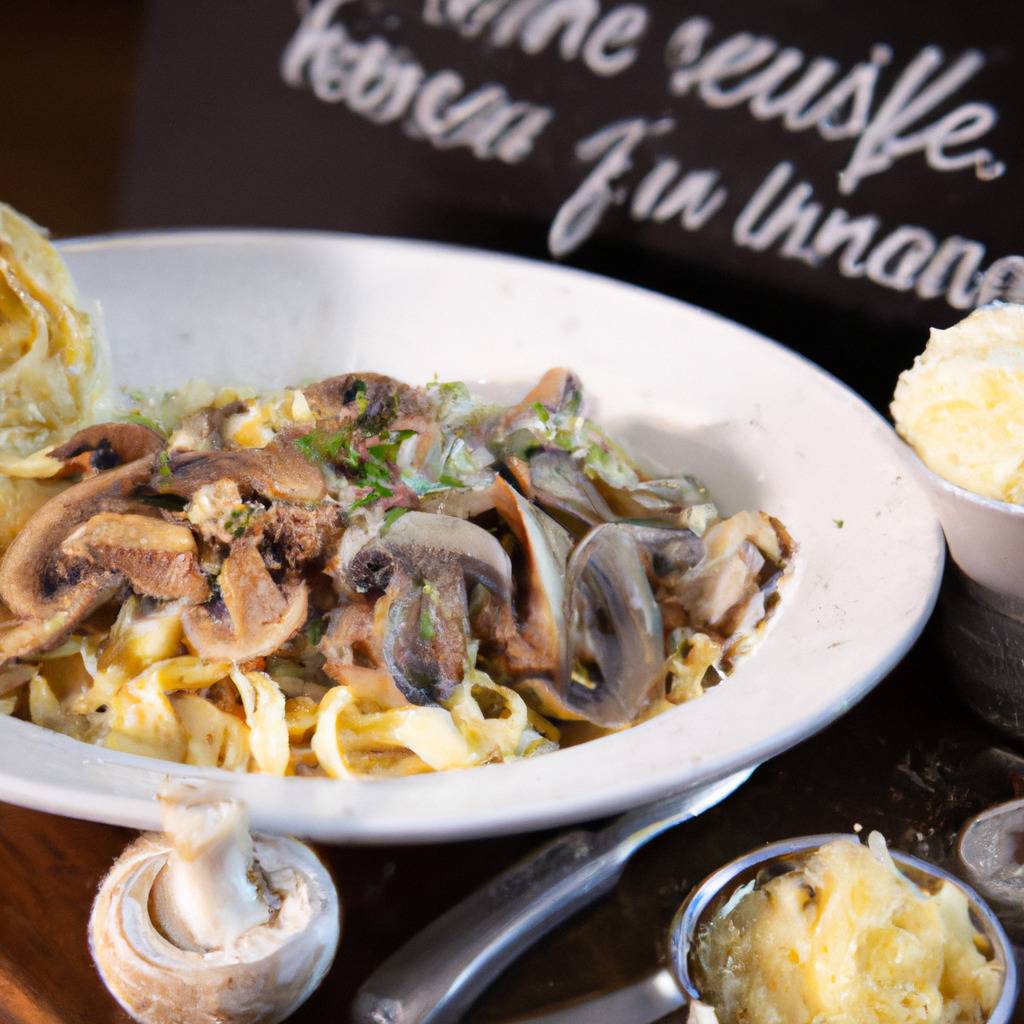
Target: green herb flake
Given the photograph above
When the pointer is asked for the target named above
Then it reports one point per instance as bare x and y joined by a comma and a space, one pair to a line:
165, 464
391, 517
542, 413
430, 596
139, 420
319, 447
427, 631
315, 630
450, 481
839, 523
238, 520
360, 399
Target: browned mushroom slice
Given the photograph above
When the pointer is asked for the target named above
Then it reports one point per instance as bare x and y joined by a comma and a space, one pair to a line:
423, 540
354, 636
615, 656
279, 472
92, 450
295, 536
372, 398
158, 558
537, 645
422, 564
38, 580
726, 591
104, 446
559, 484
425, 647
558, 390
253, 618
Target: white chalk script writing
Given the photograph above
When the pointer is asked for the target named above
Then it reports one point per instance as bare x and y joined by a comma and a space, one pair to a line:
883, 113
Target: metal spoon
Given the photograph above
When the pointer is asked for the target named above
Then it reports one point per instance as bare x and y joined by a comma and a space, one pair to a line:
437, 975
991, 851
676, 985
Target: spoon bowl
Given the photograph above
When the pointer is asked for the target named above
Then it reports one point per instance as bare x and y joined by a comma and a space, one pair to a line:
991, 852
758, 866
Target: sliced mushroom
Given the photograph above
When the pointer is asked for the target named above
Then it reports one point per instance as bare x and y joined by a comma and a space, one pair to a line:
422, 564
39, 581
425, 646
672, 501
559, 390
423, 540
615, 656
92, 450
373, 398
726, 591
158, 558
279, 472
559, 484
537, 645
208, 923
671, 552
253, 618
107, 445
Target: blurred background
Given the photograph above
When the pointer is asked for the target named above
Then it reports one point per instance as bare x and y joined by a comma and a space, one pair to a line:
128, 115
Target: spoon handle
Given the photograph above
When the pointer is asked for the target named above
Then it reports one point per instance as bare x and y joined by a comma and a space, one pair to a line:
644, 1002
436, 975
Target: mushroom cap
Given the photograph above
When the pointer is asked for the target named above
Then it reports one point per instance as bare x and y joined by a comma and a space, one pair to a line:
158, 558
279, 471
37, 580
260, 616
106, 445
261, 979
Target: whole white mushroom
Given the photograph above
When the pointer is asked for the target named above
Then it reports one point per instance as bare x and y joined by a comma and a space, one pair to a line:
207, 923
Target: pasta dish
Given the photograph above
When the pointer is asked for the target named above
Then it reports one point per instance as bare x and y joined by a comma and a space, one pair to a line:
355, 577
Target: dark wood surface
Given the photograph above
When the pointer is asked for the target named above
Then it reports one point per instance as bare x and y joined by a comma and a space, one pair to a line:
910, 760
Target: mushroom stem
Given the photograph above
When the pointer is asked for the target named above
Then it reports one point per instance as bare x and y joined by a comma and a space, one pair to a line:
208, 925
209, 874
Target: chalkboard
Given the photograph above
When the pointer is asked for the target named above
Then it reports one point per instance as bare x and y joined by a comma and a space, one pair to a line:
840, 175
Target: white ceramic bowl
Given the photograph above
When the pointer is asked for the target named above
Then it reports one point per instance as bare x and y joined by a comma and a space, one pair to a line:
763, 427
985, 536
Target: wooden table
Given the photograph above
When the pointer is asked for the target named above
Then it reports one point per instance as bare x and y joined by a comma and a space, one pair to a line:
909, 761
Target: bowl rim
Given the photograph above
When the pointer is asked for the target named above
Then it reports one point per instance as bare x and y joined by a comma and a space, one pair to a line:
957, 491
334, 810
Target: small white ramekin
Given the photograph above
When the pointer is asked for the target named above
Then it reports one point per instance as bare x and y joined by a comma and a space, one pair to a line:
985, 536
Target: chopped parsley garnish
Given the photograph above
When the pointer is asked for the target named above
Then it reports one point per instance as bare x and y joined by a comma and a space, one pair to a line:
391, 517
839, 523
138, 419
315, 630
238, 520
542, 413
165, 463
359, 396
427, 629
318, 446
